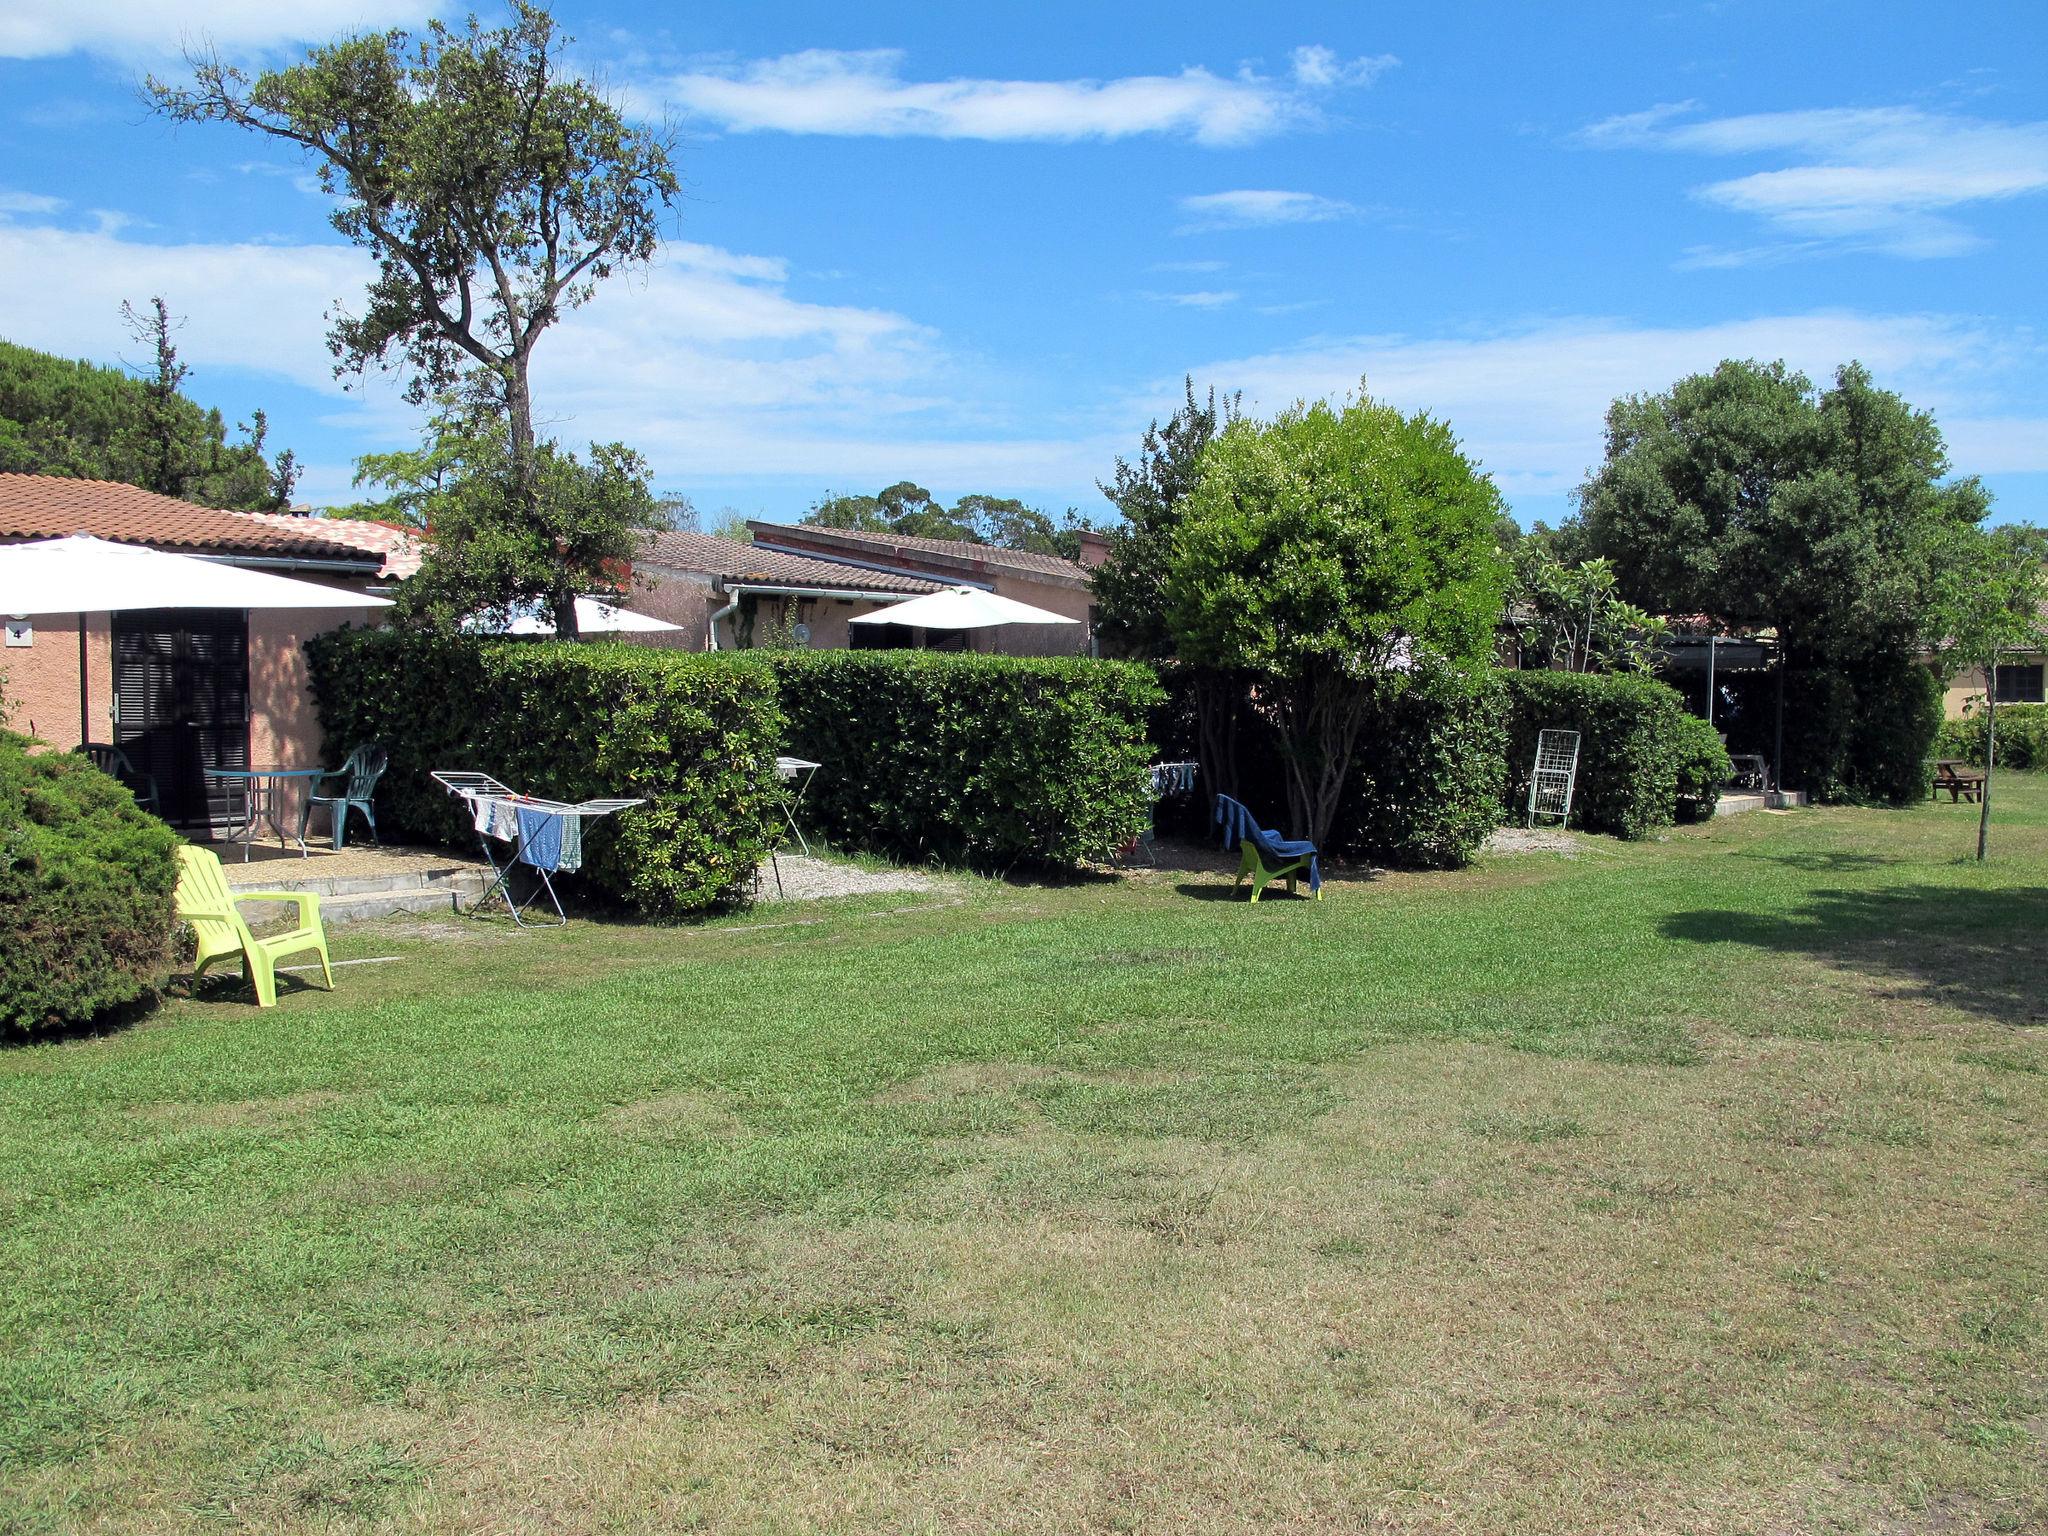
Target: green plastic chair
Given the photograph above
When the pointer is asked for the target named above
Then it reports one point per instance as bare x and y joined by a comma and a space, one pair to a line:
206, 902
113, 762
358, 776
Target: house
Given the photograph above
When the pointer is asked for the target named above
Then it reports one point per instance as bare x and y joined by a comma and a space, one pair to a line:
805, 583
723, 594
2022, 679
173, 687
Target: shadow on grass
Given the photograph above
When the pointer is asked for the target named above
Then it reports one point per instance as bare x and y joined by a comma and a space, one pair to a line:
1980, 951
1218, 891
1820, 863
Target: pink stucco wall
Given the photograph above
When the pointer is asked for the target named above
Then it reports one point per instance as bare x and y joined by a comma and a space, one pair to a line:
40, 683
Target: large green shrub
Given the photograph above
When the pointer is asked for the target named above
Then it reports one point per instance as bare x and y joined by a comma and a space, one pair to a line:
694, 735
85, 891
1423, 790
1703, 767
2022, 736
1630, 732
982, 760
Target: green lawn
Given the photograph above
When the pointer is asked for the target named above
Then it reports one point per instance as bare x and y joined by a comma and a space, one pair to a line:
1688, 1186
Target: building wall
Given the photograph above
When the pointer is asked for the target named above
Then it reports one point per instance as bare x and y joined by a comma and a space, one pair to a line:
1967, 687
39, 681
683, 598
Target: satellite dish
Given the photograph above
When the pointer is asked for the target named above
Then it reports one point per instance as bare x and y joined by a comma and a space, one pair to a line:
801, 634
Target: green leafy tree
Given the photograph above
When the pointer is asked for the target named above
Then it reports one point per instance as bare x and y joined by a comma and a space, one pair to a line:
906, 508
1130, 584
84, 421
1573, 619
1328, 553
1825, 515
492, 553
494, 189
1993, 602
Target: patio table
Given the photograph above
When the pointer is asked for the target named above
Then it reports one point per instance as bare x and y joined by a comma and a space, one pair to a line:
263, 793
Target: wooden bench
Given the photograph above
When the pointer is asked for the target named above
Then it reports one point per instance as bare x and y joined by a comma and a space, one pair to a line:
1960, 780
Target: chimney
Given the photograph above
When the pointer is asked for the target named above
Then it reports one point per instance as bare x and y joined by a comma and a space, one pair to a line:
1094, 547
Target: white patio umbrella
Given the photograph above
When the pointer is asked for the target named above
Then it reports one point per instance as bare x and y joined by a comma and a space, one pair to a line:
82, 575
961, 608
592, 618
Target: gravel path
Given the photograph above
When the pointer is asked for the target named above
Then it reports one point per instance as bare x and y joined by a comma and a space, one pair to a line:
809, 879
1530, 840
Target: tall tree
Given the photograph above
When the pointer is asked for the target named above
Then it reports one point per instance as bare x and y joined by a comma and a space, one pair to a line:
494, 189
167, 458
1327, 553
77, 419
1748, 494
1130, 584
907, 508
1993, 601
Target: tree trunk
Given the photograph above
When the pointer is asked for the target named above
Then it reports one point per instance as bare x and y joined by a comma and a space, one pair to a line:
1319, 734
1217, 699
526, 475
1990, 756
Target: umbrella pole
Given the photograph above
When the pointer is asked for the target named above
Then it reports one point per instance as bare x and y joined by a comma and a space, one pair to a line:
84, 708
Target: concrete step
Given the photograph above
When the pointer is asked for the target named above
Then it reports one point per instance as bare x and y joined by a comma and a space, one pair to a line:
362, 899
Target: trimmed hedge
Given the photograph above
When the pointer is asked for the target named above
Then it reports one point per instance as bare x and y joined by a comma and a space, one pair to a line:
86, 878
2022, 736
988, 761
1631, 740
694, 735
1424, 787
1703, 767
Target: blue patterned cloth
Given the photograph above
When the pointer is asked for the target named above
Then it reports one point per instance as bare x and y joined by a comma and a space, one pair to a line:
541, 838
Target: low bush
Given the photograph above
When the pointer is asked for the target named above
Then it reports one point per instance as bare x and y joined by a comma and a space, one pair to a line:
1631, 735
693, 735
987, 761
2022, 736
1703, 767
86, 879
1424, 786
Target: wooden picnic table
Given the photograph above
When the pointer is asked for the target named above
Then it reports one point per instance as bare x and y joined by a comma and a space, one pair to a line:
1962, 781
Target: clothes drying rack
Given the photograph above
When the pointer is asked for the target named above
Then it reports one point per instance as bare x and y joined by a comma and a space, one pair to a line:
540, 834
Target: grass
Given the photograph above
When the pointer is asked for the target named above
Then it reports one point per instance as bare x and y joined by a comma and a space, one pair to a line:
1686, 1186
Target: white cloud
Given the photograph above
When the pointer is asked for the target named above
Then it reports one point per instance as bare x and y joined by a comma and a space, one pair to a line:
246, 306
1530, 403
28, 202
1258, 209
706, 362
1213, 298
1880, 179
141, 29
823, 91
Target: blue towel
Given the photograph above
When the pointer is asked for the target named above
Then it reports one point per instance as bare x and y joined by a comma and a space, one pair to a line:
1238, 827
540, 837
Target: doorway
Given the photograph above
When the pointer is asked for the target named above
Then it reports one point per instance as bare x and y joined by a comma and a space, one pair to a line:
181, 704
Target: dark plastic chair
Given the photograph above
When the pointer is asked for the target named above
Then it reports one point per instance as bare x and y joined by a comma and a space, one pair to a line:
1267, 855
112, 761
358, 778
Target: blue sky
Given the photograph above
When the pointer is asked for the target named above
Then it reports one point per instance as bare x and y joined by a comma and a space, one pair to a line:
978, 247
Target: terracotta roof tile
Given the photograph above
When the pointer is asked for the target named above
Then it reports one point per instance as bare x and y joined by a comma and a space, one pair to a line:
880, 546
735, 561
52, 506
399, 548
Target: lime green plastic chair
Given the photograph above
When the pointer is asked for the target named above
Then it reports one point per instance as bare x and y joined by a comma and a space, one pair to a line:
206, 902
